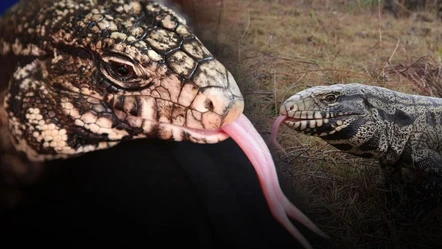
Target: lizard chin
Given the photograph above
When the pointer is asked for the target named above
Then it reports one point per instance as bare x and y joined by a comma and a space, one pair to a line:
180, 133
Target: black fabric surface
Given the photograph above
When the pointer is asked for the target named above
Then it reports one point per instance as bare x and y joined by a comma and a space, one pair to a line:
147, 194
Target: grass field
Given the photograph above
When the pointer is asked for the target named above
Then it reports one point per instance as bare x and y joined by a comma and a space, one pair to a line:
277, 48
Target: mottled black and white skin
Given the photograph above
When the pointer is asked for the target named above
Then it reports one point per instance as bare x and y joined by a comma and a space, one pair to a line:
400, 130
86, 74
82, 75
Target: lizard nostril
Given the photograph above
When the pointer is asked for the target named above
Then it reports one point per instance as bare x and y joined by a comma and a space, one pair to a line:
208, 104
292, 107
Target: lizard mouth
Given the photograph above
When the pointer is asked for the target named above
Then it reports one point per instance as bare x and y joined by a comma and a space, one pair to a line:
180, 133
310, 122
307, 120
302, 120
303, 124
171, 121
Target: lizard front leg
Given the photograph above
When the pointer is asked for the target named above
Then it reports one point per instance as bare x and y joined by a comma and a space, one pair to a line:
393, 179
414, 190
428, 164
428, 160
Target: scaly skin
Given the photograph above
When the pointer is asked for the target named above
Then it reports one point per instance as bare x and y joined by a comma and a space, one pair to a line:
84, 75
400, 130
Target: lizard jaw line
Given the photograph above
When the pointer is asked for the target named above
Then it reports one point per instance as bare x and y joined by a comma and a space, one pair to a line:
167, 131
208, 135
302, 124
302, 120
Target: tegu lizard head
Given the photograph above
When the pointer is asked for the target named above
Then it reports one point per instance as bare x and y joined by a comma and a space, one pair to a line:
86, 74
89, 74
343, 115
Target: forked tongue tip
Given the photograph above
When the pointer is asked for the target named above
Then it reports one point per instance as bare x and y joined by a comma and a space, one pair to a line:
250, 141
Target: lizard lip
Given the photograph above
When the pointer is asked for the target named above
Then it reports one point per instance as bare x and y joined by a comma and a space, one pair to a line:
180, 133
299, 120
204, 132
315, 114
290, 119
177, 132
303, 123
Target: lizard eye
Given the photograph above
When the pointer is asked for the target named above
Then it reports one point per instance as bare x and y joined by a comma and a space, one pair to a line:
121, 70
330, 98
124, 73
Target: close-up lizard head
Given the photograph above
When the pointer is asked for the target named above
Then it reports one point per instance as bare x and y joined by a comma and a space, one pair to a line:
85, 75
92, 73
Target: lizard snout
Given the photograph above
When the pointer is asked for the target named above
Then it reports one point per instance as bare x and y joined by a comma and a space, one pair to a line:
228, 103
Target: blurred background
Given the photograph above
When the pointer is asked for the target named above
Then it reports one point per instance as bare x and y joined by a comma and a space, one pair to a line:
5, 4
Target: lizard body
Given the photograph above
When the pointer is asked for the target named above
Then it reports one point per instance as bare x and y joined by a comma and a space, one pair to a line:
400, 130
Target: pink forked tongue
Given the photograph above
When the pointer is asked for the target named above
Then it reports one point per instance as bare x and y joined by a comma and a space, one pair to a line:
274, 133
246, 136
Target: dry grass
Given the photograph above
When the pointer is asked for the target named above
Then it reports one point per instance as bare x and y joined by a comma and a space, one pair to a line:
276, 48
425, 74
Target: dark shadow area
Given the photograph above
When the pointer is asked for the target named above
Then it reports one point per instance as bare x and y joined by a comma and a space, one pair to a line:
145, 193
